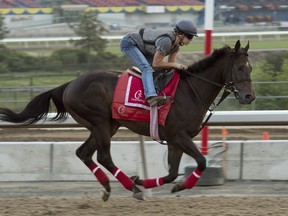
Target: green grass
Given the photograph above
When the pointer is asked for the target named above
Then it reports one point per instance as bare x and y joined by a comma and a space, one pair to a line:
32, 79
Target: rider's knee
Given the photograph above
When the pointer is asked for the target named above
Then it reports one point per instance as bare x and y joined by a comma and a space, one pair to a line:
146, 68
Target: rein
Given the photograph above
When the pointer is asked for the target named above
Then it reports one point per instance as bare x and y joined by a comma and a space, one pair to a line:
228, 89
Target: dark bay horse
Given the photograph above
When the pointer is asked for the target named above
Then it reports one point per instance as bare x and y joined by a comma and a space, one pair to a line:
88, 100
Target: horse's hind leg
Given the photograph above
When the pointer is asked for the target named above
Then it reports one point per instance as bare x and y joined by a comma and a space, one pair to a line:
104, 158
85, 153
174, 157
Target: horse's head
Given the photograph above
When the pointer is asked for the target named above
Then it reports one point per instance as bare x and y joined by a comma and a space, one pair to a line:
240, 79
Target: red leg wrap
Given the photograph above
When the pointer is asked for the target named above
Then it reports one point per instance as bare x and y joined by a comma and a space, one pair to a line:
192, 179
123, 178
151, 183
99, 174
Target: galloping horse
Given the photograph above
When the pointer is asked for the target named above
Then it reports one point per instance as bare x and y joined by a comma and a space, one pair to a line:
88, 100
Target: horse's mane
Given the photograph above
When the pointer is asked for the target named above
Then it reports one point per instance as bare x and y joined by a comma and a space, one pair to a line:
204, 63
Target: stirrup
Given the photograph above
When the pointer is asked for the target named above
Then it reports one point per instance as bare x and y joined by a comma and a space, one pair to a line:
158, 100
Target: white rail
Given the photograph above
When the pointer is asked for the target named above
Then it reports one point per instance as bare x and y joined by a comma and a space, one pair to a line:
115, 37
219, 118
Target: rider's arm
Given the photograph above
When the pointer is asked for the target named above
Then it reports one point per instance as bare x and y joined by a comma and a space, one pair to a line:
158, 61
172, 57
164, 46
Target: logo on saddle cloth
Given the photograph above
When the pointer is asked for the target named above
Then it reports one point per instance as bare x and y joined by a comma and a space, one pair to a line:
129, 100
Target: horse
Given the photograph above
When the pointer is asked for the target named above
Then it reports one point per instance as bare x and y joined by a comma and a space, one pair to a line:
88, 100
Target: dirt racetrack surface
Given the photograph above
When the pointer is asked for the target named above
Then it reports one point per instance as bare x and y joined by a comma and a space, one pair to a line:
203, 206
82, 198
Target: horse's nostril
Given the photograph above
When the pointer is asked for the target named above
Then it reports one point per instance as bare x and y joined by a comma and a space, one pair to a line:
249, 97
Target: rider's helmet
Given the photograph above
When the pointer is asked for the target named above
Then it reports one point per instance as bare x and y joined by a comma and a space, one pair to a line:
186, 27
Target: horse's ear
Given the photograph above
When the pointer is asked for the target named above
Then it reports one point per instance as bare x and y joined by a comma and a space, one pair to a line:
247, 47
237, 46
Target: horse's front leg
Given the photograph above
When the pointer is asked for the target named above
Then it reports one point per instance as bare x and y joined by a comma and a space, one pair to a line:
189, 147
174, 157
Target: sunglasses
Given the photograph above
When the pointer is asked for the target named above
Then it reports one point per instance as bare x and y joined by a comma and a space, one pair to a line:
189, 36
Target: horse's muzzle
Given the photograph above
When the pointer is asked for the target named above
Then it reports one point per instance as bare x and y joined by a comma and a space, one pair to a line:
246, 98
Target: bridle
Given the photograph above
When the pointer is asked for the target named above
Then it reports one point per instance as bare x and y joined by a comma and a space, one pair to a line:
229, 87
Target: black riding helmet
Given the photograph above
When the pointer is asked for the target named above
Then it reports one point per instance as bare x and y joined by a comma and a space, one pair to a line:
186, 27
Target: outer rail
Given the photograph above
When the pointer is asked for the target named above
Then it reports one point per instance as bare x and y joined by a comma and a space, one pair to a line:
219, 118
118, 37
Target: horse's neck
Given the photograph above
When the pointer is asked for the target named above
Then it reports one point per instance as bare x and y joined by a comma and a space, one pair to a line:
207, 91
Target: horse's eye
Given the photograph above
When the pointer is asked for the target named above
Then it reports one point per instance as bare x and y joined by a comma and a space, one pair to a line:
241, 68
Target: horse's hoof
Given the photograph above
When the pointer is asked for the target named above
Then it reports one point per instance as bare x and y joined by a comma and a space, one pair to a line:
178, 187
137, 193
139, 196
105, 195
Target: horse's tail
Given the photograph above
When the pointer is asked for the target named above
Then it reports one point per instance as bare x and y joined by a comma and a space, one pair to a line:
38, 108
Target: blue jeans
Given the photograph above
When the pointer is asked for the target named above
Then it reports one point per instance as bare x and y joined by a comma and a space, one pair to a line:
130, 49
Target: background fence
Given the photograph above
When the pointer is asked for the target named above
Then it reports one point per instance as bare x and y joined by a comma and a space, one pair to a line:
16, 97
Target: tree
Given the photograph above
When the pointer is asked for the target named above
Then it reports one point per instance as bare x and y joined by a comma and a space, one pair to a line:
283, 75
267, 93
3, 29
263, 71
90, 30
3, 50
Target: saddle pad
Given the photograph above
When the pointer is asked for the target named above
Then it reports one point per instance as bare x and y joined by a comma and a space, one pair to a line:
129, 101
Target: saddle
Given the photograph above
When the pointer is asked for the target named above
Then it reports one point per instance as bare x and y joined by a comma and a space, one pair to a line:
129, 101
161, 77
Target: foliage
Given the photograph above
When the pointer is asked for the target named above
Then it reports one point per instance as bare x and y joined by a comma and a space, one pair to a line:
283, 75
109, 61
68, 58
276, 60
267, 74
62, 60
90, 30
270, 78
17, 61
77, 58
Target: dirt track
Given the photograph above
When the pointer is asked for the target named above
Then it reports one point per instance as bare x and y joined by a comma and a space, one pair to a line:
200, 206
82, 198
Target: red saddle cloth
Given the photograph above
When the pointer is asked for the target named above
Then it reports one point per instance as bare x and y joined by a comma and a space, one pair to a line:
129, 101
